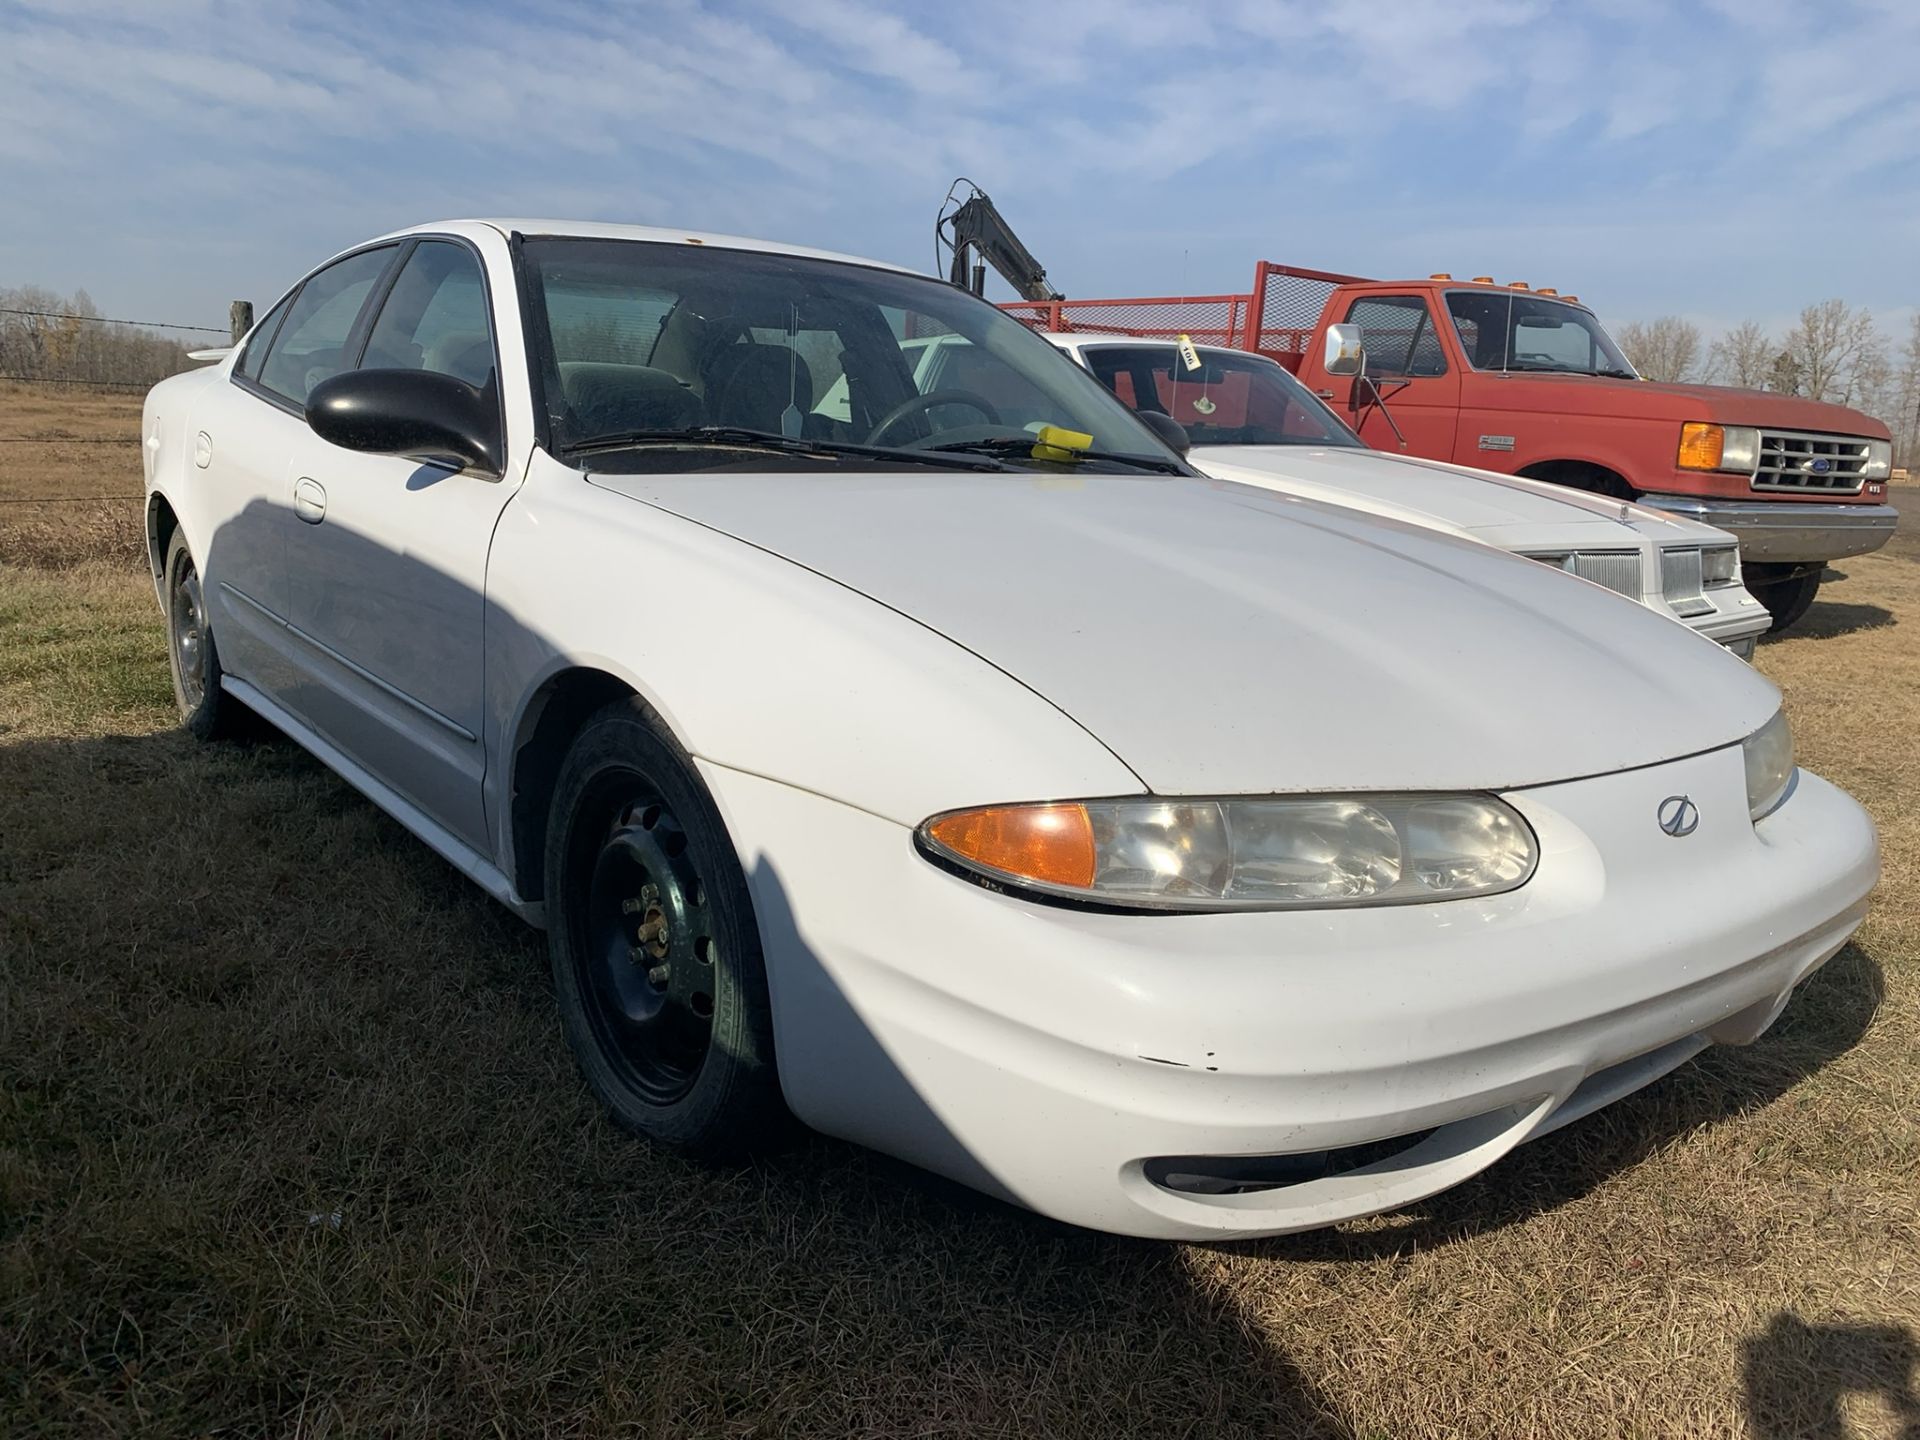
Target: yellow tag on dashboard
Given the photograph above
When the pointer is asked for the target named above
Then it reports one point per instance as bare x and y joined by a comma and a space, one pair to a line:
1053, 442
1189, 356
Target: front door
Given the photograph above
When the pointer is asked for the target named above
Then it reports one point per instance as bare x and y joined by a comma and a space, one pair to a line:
245, 437
1409, 402
388, 564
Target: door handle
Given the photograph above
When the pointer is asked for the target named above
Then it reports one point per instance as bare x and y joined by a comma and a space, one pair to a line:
309, 501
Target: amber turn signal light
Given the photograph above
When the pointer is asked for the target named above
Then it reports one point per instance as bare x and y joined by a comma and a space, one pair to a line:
1052, 844
1701, 446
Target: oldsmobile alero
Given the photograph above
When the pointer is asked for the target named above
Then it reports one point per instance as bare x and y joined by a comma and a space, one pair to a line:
1167, 855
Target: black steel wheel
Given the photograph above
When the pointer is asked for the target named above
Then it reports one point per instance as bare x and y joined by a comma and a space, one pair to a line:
656, 959
191, 654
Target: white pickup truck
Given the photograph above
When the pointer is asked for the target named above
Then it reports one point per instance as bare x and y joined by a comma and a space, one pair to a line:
1251, 422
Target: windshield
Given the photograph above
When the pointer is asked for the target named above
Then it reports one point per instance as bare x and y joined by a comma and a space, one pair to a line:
654, 346
1233, 398
1505, 330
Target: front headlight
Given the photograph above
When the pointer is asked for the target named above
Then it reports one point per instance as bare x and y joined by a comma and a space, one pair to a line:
1281, 853
1879, 463
1733, 448
1720, 565
1770, 768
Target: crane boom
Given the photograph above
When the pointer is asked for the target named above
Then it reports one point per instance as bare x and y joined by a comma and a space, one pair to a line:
974, 227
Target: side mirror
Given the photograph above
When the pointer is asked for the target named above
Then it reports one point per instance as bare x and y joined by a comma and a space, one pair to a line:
417, 414
1168, 430
1346, 355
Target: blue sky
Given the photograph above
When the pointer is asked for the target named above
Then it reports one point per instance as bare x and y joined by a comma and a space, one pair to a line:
1725, 159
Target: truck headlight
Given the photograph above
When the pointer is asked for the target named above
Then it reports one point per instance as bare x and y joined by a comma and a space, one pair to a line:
1732, 448
1280, 853
1720, 565
1879, 464
1770, 768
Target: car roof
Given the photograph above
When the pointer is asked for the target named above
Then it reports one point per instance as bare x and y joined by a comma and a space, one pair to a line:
598, 230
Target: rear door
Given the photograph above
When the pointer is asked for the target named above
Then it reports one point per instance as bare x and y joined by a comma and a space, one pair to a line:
1414, 385
388, 559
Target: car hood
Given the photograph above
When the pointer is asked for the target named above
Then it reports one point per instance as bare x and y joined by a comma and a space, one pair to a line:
1222, 639
1506, 510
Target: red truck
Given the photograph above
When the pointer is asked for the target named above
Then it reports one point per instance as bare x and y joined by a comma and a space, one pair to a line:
1527, 382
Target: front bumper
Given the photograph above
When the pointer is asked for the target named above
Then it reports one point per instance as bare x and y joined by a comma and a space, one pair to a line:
1738, 620
1056, 1057
1788, 530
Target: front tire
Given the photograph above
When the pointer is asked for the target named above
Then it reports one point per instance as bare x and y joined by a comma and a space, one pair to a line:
206, 712
657, 968
1788, 598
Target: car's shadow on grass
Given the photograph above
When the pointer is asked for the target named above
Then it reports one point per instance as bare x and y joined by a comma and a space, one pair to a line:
1829, 620
290, 1143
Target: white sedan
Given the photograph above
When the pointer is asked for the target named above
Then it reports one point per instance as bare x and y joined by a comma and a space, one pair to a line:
1172, 858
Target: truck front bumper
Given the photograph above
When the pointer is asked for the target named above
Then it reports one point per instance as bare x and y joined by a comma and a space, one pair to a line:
1788, 530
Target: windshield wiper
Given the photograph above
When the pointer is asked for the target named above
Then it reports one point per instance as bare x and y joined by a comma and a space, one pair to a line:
742, 438
1022, 448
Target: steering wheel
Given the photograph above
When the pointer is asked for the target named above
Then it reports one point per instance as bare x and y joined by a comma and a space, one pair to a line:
920, 404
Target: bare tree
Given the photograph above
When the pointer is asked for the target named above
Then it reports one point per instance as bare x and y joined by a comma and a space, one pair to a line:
48, 336
1836, 353
1664, 349
1743, 357
1903, 402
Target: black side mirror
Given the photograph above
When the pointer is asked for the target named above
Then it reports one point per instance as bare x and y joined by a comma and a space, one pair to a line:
417, 414
1170, 431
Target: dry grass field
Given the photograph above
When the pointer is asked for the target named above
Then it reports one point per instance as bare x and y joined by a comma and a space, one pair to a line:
289, 1145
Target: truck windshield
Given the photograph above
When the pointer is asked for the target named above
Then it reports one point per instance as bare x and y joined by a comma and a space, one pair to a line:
1503, 330
1232, 399
651, 350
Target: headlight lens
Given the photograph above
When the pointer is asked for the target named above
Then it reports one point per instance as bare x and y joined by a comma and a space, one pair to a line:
1734, 448
1879, 460
1720, 565
1770, 768
1277, 853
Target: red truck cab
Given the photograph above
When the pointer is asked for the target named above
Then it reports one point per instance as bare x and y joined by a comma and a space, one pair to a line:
1528, 382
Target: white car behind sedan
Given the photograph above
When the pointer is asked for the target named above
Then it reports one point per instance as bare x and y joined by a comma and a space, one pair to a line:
1250, 421
1172, 858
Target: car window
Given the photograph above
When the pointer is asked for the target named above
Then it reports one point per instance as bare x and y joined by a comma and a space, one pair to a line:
1399, 335
651, 338
259, 342
435, 317
1232, 399
311, 345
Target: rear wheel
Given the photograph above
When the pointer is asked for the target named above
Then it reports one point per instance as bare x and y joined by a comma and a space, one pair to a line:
656, 958
205, 711
1786, 590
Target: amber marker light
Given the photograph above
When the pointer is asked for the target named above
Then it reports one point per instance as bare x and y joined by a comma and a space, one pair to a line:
1049, 844
1701, 445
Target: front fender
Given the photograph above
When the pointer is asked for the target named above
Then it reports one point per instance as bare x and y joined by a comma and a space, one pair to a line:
759, 664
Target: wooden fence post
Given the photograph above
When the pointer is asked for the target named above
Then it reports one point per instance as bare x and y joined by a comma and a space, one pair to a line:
240, 319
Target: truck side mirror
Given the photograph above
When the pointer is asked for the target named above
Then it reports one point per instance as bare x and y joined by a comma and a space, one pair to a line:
1346, 355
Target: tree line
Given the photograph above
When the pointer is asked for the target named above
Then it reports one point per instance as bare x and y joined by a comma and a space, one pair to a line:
64, 337
1833, 352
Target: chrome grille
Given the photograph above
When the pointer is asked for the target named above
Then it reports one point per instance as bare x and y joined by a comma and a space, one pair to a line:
1681, 582
1798, 460
1618, 570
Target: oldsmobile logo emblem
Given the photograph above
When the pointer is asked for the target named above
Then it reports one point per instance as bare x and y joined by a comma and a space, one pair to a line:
1679, 816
